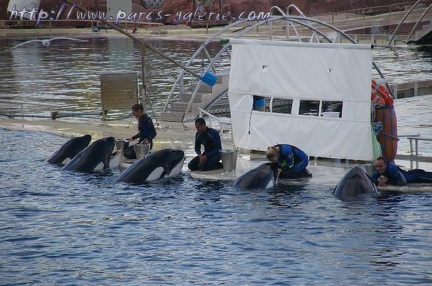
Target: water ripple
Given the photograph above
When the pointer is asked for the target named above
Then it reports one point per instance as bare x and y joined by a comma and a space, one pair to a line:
79, 229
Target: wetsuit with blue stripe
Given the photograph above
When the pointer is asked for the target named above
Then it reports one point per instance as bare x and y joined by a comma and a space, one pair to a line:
397, 176
292, 161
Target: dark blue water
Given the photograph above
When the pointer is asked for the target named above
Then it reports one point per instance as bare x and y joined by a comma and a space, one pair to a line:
67, 228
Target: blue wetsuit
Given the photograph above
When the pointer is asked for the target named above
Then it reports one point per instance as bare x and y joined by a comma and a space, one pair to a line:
397, 176
292, 161
212, 146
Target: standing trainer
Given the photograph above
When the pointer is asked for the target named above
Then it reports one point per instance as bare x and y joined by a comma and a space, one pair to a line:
147, 131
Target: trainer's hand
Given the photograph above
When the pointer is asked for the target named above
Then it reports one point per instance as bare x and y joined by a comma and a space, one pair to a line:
202, 158
382, 181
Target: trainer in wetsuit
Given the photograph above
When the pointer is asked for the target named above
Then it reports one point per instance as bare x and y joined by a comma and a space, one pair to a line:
288, 162
210, 159
147, 131
389, 173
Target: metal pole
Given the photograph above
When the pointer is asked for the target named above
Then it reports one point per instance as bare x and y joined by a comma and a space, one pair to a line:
146, 98
418, 21
143, 71
401, 21
139, 41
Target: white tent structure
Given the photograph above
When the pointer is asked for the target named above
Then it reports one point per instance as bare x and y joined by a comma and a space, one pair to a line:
118, 9
19, 5
302, 74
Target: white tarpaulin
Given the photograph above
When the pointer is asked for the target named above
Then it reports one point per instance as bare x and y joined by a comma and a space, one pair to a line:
19, 5
302, 72
119, 9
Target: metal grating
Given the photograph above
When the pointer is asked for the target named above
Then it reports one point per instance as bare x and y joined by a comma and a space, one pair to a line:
118, 91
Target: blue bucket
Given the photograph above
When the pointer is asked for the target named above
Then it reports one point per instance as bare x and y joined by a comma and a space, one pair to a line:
209, 78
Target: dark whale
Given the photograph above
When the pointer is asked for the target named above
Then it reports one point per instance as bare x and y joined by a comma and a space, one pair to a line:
69, 150
355, 182
260, 177
157, 165
87, 160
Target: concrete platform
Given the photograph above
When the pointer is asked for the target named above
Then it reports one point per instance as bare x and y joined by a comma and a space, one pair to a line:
325, 172
411, 188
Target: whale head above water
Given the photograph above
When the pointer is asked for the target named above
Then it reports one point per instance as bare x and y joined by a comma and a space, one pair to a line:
260, 177
69, 150
87, 160
157, 165
354, 183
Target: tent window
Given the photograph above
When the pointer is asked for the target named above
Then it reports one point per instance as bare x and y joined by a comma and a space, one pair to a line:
282, 105
309, 107
328, 108
332, 107
260, 103
277, 105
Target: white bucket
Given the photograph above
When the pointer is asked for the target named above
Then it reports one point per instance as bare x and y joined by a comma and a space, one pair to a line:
141, 150
121, 144
229, 159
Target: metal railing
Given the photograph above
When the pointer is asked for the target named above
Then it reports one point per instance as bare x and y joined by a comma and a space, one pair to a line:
19, 105
314, 25
56, 25
20, 110
294, 22
224, 123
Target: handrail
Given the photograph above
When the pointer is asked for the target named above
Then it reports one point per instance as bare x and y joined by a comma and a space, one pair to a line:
141, 41
300, 20
401, 21
370, 8
63, 21
418, 21
296, 19
202, 111
243, 32
197, 52
21, 104
302, 15
221, 121
50, 107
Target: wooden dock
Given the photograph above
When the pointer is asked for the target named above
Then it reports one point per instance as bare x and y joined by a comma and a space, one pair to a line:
410, 89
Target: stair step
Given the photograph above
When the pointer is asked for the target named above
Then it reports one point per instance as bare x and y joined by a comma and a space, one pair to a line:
427, 27
220, 78
202, 87
220, 110
185, 97
182, 106
205, 94
172, 116
179, 106
424, 31
418, 34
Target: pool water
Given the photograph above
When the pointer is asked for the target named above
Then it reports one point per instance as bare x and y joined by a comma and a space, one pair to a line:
69, 228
